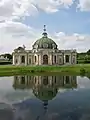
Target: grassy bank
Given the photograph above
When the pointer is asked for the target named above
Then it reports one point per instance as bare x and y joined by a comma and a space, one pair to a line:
72, 69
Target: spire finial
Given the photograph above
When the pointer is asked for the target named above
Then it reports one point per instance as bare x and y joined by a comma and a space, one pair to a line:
44, 33
45, 104
44, 28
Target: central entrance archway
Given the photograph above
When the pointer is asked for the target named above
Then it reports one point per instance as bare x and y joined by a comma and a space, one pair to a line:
45, 59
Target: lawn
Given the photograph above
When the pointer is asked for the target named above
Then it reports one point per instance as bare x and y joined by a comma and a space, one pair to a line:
13, 70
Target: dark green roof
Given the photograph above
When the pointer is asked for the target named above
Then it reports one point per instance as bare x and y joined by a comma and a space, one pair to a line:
45, 42
45, 93
19, 48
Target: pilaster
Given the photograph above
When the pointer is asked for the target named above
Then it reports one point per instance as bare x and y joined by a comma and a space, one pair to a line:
19, 60
13, 59
25, 60
50, 59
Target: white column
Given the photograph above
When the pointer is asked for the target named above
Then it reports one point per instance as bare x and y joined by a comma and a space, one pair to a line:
25, 59
32, 59
64, 59
28, 60
19, 60
41, 59
75, 58
70, 59
13, 59
50, 60
60, 59
56, 59
38, 60
53, 59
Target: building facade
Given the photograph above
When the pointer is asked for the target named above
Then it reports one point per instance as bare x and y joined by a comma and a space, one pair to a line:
47, 82
44, 52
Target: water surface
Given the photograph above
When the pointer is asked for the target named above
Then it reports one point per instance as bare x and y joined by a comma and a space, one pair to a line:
44, 98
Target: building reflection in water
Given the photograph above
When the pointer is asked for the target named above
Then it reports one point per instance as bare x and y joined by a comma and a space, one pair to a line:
45, 88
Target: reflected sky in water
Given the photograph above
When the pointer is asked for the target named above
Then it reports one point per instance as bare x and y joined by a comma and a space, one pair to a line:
44, 98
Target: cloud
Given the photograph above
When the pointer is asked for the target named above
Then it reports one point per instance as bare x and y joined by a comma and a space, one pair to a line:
14, 9
17, 9
51, 6
14, 34
84, 5
74, 41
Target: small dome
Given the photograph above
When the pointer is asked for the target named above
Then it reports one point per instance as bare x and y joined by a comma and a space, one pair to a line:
45, 42
19, 49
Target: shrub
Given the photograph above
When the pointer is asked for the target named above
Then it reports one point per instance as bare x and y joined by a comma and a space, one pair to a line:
83, 61
5, 63
80, 61
82, 72
32, 71
86, 61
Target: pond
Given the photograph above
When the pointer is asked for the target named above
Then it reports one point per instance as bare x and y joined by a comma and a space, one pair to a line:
44, 98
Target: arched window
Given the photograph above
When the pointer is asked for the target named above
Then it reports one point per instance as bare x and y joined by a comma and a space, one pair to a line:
35, 80
23, 59
45, 59
35, 58
22, 80
60, 60
16, 78
67, 79
29, 60
45, 45
55, 79
54, 46
67, 58
73, 61
16, 61
45, 80
55, 59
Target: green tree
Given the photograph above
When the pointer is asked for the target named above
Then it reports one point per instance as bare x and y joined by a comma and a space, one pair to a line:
88, 52
9, 56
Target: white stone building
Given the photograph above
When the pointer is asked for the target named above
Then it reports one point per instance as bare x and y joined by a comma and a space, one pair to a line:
44, 52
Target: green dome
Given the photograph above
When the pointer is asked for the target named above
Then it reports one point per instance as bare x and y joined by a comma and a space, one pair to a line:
45, 93
45, 43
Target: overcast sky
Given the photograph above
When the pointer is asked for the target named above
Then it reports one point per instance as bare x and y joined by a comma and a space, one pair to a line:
21, 22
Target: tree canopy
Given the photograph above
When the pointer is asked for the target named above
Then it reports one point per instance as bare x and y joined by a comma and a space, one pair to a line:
9, 56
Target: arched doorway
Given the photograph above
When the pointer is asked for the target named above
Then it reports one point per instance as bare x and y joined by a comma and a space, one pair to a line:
45, 59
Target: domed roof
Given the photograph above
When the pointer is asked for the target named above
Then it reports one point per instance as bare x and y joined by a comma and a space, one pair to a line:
19, 49
45, 93
45, 42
